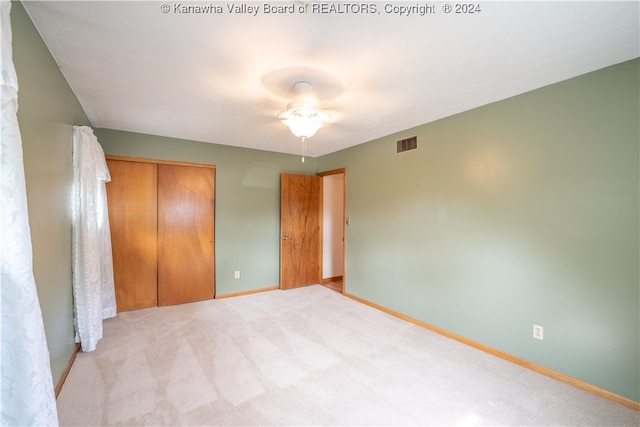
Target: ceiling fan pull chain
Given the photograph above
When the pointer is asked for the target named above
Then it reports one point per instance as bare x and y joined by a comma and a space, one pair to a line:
304, 144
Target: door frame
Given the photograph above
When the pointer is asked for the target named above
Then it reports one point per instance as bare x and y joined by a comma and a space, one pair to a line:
338, 171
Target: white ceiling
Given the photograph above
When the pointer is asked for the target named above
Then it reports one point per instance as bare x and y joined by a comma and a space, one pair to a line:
223, 78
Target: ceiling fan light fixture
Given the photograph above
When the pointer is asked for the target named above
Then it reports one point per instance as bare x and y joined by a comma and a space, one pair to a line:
303, 122
301, 117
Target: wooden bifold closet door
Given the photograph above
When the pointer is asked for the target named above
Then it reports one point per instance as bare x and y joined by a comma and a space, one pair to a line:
132, 204
185, 234
162, 227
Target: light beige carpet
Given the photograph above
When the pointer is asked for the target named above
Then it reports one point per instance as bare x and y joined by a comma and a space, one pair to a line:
306, 356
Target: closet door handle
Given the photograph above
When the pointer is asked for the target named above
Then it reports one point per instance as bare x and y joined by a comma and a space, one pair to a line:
285, 238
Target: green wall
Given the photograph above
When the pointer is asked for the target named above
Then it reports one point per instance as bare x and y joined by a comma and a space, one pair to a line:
247, 232
517, 213
47, 111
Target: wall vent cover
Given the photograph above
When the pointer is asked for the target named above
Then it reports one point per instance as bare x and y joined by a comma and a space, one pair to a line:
407, 144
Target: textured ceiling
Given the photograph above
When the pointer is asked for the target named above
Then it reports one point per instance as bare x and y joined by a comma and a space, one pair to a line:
224, 77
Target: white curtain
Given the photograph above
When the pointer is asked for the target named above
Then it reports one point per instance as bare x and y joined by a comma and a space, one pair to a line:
93, 289
27, 386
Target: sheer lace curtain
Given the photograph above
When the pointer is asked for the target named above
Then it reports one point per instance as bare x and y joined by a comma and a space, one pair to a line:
27, 386
93, 288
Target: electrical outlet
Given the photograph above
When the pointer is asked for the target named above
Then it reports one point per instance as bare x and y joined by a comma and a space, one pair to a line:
237, 274
538, 332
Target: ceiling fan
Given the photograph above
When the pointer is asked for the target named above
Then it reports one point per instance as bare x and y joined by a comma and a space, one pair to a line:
302, 117
305, 88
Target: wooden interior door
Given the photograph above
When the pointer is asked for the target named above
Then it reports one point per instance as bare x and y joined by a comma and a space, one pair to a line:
300, 250
185, 233
132, 204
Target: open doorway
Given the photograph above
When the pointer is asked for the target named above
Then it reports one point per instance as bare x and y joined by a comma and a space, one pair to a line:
333, 229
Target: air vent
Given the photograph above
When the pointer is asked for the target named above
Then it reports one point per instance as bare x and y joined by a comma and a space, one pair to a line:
407, 144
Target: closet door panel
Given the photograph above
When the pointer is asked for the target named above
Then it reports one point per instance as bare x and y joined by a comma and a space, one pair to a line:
132, 204
185, 234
